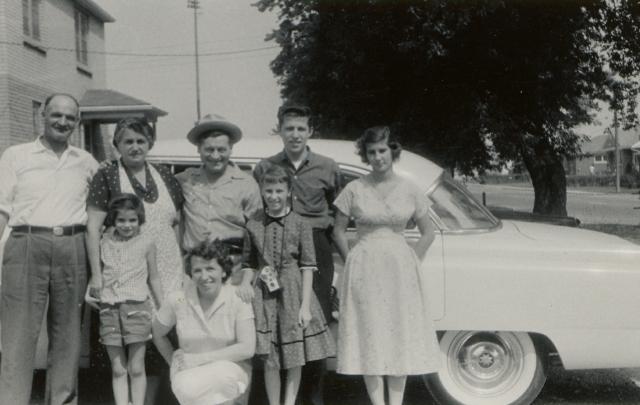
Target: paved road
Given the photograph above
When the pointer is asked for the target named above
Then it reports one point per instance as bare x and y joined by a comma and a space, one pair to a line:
589, 207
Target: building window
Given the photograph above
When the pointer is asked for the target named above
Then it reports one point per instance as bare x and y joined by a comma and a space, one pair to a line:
31, 18
82, 36
35, 116
600, 159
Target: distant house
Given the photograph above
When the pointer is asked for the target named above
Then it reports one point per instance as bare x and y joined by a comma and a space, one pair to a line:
46, 46
103, 106
598, 154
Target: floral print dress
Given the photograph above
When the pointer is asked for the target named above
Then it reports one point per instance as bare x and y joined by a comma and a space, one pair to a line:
385, 327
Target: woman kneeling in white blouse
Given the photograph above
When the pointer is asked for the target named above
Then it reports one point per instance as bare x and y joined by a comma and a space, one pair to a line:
215, 328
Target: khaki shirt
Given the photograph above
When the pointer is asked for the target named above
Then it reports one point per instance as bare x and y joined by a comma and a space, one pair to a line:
219, 210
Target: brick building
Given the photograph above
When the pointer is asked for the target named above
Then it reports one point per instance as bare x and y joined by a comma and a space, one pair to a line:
46, 46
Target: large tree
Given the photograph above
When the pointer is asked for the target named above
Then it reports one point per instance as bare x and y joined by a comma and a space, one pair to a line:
470, 84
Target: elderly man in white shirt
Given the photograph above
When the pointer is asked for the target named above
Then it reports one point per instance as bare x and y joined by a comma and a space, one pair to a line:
43, 189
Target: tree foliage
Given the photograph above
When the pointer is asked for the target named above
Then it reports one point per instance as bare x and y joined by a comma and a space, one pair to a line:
467, 83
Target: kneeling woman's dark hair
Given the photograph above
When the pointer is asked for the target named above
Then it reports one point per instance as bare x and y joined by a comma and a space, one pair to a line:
374, 135
208, 250
124, 201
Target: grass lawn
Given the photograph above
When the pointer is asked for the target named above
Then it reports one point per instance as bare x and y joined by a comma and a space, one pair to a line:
628, 232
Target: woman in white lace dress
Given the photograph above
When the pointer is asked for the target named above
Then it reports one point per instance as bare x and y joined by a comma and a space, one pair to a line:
385, 329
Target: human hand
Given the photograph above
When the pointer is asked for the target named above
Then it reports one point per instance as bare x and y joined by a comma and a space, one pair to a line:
105, 164
245, 292
304, 316
184, 361
177, 360
92, 295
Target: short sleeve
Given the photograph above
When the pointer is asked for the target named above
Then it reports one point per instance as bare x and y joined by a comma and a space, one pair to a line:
252, 204
166, 315
93, 165
244, 310
344, 202
8, 182
101, 187
249, 253
307, 248
421, 202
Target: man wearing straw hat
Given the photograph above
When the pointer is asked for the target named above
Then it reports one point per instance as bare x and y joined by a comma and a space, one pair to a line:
219, 196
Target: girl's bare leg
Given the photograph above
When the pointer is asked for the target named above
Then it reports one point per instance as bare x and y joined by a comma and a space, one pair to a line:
272, 384
396, 384
137, 372
119, 382
375, 388
292, 385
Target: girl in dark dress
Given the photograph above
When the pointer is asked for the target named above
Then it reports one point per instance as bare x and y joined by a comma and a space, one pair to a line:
291, 329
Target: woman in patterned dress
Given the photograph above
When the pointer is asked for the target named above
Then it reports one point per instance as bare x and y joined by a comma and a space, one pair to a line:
154, 185
385, 329
161, 195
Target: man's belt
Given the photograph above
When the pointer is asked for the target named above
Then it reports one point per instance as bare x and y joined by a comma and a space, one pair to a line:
55, 231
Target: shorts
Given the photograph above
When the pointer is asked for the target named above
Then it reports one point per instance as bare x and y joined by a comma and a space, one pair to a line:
125, 323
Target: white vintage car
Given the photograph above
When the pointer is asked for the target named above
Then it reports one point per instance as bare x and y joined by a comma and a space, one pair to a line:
507, 297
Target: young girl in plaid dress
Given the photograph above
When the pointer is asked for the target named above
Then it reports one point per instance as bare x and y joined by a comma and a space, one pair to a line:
291, 329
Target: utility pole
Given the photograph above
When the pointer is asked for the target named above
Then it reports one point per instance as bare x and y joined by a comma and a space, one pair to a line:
617, 145
195, 5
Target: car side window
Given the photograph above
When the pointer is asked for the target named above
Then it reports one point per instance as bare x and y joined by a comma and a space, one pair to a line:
348, 177
457, 209
179, 168
245, 167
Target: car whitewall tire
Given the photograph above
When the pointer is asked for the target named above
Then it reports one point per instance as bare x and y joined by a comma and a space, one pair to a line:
487, 368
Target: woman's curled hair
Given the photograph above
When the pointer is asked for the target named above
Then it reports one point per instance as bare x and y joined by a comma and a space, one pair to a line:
377, 134
209, 250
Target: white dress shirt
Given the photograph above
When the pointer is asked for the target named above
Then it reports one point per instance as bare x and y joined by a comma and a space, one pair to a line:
37, 188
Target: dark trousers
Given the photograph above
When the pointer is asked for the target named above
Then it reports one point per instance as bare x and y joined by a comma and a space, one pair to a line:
38, 268
323, 278
312, 385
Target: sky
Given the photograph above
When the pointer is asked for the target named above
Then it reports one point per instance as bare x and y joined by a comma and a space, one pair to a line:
238, 86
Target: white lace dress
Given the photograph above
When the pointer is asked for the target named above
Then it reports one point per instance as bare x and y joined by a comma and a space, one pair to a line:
385, 327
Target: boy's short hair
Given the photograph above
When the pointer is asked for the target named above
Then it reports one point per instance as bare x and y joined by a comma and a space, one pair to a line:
209, 250
124, 201
275, 174
294, 110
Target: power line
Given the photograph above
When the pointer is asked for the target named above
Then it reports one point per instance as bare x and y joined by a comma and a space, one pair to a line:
217, 41
177, 64
190, 55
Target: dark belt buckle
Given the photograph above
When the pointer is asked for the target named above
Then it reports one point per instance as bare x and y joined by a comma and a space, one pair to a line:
58, 230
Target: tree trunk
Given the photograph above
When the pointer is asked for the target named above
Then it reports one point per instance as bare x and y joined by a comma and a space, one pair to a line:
547, 176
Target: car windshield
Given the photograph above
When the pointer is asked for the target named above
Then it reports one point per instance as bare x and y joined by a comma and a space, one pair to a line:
457, 209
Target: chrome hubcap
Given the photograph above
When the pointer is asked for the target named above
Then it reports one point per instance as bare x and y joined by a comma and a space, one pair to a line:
486, 364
